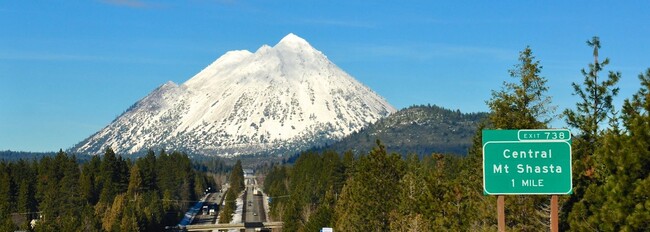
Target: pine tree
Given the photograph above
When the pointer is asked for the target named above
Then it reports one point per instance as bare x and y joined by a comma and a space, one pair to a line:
135, 183
89, 221
109, 177
70, 200
414, 200
368, 196
23, 176
26, 202
147, 165
620, 202
87, 184
112, 219
275, 185
523, 105
5, 191
591, 113
596, 99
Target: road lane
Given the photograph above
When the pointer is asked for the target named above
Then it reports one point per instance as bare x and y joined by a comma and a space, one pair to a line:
253, 205
203, 217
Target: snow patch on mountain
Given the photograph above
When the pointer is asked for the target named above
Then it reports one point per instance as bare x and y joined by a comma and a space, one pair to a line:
278, 100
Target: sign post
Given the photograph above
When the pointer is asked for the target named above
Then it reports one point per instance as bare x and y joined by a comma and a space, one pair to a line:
527, 162
554, 212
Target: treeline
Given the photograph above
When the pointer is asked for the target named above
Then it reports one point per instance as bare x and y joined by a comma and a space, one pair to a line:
107, 193
10, 155
382, 191
210, 164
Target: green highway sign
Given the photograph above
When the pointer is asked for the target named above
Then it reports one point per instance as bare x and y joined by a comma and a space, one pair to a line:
533, 162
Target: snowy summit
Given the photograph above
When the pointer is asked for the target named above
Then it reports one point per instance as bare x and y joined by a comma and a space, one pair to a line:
278, 100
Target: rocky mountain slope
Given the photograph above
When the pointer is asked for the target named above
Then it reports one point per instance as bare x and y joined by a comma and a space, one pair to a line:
275, 101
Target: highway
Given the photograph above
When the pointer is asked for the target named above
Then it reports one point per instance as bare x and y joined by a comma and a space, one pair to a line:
253, 209
254, 213
204, 216
274, 226
212, 201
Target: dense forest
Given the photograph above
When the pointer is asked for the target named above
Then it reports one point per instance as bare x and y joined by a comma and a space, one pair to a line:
382, 191
378, 190
422, 130
107, 193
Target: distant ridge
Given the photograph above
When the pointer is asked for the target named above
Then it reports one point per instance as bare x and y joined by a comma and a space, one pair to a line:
10, 155
421, 130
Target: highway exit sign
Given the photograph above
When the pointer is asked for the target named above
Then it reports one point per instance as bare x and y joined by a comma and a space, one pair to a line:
528, 162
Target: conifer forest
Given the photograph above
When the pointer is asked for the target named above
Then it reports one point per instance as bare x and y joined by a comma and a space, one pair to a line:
376, 190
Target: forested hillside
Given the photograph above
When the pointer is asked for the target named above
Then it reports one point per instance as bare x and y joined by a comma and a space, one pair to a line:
107, 193
17, 155
381, 191
421, 130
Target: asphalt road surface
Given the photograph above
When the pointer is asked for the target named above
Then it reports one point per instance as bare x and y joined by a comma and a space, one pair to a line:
253, 204
204, 217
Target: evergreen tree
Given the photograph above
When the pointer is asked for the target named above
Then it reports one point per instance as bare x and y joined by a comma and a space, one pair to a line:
111, 176
112, 219
5, 191
312, 179
237, 177
620, 202
48, 189
135, 183
414, 200
275, 185
523, 105
88, 180
70, 200
236, 186
153, 211
147, 165
591, 112
26, 202
89, 221
596, 100
368, 196
23, 175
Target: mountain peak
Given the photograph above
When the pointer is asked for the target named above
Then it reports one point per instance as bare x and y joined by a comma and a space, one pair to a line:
293, 40
276, 101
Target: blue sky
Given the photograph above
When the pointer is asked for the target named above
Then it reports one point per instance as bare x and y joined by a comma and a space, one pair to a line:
68, 68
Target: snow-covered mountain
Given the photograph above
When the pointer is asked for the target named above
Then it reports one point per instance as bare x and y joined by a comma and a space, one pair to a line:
278, 100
